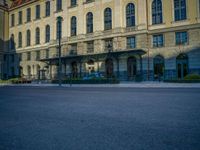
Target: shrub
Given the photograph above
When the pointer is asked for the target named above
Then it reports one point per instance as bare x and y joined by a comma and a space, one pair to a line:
192, 77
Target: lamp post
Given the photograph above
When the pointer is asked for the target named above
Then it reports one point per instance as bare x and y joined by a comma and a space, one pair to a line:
59, 26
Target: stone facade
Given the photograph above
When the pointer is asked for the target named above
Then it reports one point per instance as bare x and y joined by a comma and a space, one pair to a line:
143, 31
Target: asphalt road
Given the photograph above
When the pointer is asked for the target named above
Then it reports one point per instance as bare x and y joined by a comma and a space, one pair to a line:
52, 118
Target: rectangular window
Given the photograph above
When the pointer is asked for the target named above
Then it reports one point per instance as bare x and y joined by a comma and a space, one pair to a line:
28, 15
47, 53
158, 40
37, 55
181, 38
29, 56
20, 17
20, 56
73, 49
131, 42
47, 8
12, 20
73, 3
180, 10
90, 47
37, 12
108, 45
59, 5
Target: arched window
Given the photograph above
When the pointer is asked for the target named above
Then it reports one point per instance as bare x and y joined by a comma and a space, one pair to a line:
37, 36
157, 17
89, 22
47, 29
12, 42
20, 40
130, 15
59, 29
107, 19
179, 10
28, 38
73, 26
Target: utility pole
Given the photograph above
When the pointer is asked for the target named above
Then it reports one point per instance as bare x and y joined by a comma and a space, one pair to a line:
59, 26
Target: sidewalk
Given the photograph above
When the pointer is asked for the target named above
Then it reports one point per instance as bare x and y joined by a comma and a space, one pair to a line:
121, 85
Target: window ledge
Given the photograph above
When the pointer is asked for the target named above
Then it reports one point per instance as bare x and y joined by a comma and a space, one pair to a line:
73, 6
87, 2
27, 22
36, 19
58, 11
46, 16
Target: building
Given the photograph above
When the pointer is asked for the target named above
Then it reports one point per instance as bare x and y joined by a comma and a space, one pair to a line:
4, 29
127, 39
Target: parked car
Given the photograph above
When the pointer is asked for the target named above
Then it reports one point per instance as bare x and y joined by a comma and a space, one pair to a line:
94, 75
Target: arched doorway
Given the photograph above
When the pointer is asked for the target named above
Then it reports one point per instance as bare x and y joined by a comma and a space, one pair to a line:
131, 67
159, 67
74, 70
91, 68
182, 65
109, 68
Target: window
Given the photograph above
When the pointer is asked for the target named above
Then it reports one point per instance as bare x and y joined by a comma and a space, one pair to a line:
73, 49
180, 10
47, 53
37, 55
89, 20
47, 39
12, 42
107, 19
20, 17
47, 8
59, 29
157, 12
158, 40
28, 38
90, 47
12, 20
131, 42
29, 56
181, 38
108, 45
20, 40
130, 15
73, 3
73, 26
59, 5
37, 36
28, 14
199, 8
37, 12
20, 56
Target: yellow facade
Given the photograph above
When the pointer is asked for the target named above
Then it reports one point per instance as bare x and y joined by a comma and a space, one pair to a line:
143, 31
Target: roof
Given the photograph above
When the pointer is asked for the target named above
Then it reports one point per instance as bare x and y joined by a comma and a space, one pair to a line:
18, 3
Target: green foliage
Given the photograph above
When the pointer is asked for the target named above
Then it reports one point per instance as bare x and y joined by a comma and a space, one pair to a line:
192, 77
91, 81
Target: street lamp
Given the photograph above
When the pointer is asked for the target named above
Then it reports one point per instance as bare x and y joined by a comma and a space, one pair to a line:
59, 28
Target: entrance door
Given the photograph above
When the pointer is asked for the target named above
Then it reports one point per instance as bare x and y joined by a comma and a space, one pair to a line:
109, 68
158, 67
182, 66
74, 70
131, 67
